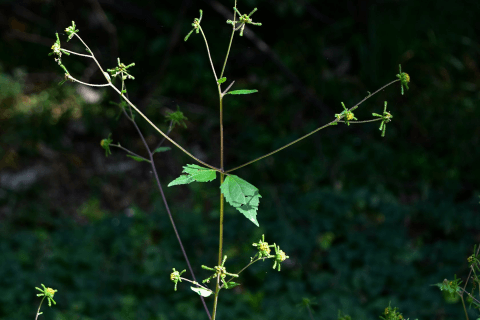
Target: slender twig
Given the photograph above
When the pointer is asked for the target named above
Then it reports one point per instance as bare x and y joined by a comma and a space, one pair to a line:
126, 150
464, 308
170, 127
471, 269
87, 84
38, 311
209, 55
140, 113
195, 283
361, 121
468, 293
314, 131
77, 54
159, 185
231, 40
244, 268
228, 88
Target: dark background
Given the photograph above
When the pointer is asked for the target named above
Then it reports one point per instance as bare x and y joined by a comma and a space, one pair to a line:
365, 220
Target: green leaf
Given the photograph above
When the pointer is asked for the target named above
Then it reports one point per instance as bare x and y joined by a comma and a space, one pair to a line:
242, 195
162, 149
231, 284
137, 158
194, 173
221, 80
202, 292
176, 117
242, 91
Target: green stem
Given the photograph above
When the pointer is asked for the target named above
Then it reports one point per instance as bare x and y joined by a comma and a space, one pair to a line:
243, 269
140, 113
281, 148
362, 121
314, 131
231, 40
222, 177
38, 311
220, 249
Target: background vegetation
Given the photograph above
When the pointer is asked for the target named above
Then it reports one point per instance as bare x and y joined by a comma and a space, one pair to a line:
365, 220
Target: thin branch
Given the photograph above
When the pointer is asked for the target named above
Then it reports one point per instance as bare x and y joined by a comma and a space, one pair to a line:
361, 121
159, 185
87, 84
209, 55
132, 153
77, 54
231, 40
314, 131
141, 114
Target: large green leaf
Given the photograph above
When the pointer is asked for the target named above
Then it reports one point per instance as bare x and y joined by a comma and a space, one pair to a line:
194, 173
242, 195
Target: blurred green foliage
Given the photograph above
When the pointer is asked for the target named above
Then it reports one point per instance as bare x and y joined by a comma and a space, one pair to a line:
365, 220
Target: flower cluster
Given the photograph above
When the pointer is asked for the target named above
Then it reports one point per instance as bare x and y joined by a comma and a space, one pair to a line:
264, 252
404, 78
195, 25
175, 277
47, 293
243, 19
346, 114
220, 271
121, 69
386, 118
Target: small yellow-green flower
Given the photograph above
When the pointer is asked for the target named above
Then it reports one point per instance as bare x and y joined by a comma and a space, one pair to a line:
47, 293
175, 277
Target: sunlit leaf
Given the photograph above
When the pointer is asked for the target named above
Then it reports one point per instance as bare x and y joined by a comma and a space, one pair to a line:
194, 173
201, 291
242, 195
242, 91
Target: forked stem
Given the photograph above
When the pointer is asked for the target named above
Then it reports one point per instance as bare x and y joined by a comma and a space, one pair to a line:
138, 111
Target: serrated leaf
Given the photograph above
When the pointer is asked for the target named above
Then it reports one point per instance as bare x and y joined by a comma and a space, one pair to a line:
202, 292
138, 159
221, 80
242, 91
161, 149
242, 195
194, 173
231, 284
249, 209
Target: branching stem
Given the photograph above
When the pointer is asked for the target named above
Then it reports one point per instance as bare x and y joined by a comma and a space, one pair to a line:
140, 113
333, 122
